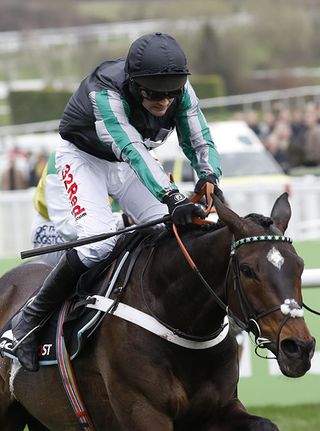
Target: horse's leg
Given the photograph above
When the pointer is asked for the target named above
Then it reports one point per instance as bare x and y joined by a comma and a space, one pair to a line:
34, 425
234, 417
14, 417
11, 414
42, 394
141, 414
134, 411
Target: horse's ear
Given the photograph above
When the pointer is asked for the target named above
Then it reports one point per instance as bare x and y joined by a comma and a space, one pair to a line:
281, 212
229, 217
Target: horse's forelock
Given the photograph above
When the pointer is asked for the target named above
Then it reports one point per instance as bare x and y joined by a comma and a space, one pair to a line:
260, 219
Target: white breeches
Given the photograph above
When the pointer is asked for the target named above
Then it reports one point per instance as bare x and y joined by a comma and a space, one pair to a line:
89, 181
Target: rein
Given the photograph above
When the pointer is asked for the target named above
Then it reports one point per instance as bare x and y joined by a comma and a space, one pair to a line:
223, 330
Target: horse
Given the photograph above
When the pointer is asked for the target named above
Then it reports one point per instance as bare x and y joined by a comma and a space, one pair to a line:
134, 380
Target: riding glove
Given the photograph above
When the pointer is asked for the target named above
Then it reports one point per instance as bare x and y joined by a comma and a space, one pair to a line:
181, 209
213, 179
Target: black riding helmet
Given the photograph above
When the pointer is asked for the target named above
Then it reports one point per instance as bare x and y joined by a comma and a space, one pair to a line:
156, 62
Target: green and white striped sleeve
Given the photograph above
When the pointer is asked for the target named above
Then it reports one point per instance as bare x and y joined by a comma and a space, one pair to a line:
194, 136
113, 128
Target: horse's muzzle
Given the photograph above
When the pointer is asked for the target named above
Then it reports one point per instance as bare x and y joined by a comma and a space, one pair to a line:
294, 356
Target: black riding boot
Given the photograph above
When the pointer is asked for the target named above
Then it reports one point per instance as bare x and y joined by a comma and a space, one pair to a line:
58, 285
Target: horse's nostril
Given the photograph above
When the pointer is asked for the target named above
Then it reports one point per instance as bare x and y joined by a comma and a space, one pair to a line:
295, 347
290, 347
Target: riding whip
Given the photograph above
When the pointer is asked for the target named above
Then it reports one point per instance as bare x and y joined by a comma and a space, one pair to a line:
95, 238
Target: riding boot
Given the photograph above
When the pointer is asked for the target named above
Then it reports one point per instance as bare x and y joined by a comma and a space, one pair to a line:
59, 284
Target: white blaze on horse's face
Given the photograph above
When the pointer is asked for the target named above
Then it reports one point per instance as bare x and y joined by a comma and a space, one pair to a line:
275, 257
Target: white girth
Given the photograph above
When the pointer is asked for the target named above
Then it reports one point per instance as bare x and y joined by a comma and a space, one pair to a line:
151, 324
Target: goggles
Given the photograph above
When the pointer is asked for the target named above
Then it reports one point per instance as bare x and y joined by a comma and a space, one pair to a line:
159, 95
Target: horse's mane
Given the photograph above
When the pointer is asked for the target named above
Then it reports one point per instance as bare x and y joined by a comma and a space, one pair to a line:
260, 219
158, 236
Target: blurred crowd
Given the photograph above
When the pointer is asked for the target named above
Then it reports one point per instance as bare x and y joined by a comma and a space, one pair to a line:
291, 136
22, 169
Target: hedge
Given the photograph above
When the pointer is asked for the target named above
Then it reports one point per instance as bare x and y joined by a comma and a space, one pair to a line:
30, 106
37, 105
207, 86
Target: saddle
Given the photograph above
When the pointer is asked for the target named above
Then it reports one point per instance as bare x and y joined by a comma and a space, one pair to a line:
79, 322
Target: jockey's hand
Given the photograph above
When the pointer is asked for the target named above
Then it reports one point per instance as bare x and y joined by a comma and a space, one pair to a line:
181, 209
213, 179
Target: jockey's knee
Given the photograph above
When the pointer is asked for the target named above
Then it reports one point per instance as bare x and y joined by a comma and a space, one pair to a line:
91, 254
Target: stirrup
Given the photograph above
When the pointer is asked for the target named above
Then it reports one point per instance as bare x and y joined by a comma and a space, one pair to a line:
36, 328
19, 342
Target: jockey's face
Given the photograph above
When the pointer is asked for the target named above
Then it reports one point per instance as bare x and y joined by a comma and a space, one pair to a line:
157, 107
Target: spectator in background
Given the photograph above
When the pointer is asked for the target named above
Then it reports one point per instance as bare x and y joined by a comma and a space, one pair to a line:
253, 122
37, 163
311, 139
278, 142
296, 146
238, 116
267, 125
297, 123
13, 178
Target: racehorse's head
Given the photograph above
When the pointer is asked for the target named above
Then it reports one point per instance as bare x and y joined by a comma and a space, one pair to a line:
264, 285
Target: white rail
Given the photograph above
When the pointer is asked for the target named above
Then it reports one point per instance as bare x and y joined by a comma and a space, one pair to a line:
17, 212
311, 277
245, 101
264, 98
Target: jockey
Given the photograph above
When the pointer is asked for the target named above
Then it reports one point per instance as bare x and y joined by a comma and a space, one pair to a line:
53, 221
123, 109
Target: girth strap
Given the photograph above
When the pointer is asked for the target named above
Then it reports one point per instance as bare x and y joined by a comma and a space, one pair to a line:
149, 323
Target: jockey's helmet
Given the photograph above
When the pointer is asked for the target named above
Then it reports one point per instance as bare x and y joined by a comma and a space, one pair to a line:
156, 63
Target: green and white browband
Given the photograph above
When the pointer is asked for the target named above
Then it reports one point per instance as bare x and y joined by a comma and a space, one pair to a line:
259, 238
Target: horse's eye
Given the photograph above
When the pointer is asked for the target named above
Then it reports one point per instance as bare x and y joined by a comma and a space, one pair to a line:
247, 271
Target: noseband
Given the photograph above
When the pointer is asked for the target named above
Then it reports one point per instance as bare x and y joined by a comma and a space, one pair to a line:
290, 308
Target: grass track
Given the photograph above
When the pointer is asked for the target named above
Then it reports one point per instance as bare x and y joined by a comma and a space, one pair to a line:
293, 418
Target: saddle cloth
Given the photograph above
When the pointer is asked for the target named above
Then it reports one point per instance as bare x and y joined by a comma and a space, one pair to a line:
81, 322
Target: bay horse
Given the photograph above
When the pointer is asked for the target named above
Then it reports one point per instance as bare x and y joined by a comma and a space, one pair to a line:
134, 380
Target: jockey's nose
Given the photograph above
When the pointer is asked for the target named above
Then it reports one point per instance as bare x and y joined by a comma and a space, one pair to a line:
165, 102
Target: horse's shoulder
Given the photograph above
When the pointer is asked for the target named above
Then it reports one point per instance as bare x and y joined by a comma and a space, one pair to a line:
17, 285
34, 269
23, 276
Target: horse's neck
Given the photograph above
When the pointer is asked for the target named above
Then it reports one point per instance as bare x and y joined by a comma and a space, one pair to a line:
211, 254
185, 301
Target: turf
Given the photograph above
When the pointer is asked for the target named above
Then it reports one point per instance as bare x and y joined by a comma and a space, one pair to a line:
294, 418
6, 264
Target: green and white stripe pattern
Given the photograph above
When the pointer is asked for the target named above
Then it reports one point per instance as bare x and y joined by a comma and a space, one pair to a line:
194, 136
114, 129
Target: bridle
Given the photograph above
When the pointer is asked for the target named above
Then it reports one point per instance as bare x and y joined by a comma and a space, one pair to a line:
250, 317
